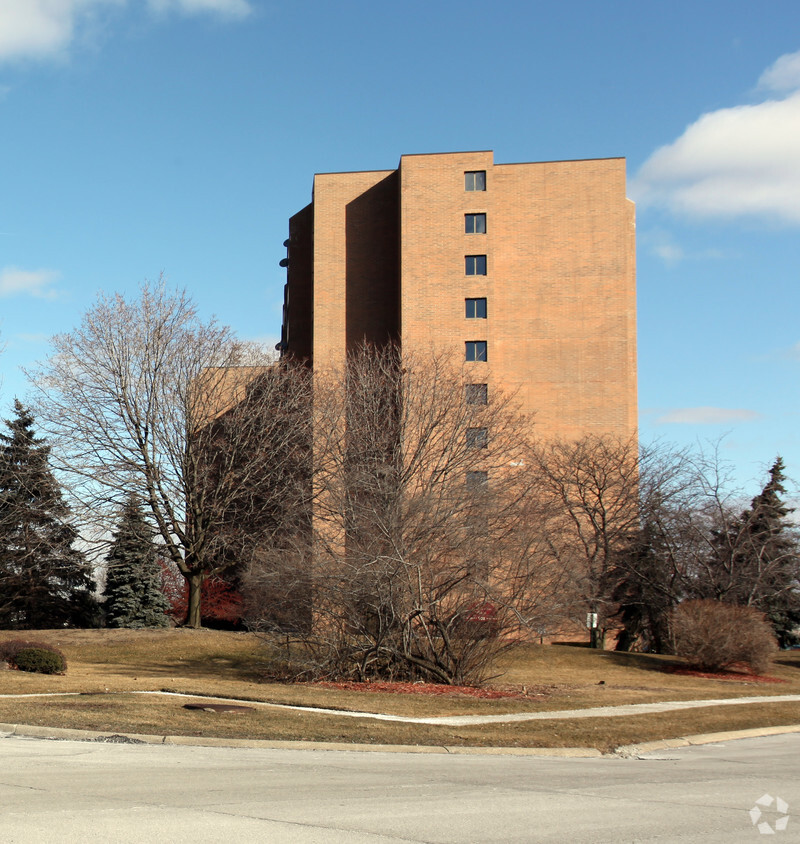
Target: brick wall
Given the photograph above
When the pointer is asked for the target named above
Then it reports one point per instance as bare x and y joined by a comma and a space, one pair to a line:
388, 258
353, 229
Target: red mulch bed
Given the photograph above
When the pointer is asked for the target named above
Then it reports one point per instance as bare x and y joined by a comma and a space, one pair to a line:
421, 689
733, 674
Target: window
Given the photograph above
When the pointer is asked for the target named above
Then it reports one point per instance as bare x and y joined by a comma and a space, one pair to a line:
479, 552
475, 180
475, 308
476, 393
475, 264
479, 527
477, 438
474, 224
478, 568
476, 350
477, 480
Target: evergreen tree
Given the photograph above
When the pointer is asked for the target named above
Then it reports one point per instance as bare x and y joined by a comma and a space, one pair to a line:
133, 593
44, 581
648, 586
773, 546
756, 559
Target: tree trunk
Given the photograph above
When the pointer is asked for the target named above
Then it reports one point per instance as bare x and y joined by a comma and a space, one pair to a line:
195, 580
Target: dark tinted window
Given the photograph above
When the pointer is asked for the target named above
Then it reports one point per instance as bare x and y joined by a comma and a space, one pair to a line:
475, 224
476, 393
477, 480
475, 180
475, 264
476, 350
477, 438
475, 308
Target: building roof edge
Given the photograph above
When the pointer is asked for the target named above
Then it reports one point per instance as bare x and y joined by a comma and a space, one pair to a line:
562, 161
350, 172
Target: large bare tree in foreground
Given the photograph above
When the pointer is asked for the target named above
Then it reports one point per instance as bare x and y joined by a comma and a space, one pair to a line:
427, 556
146, 398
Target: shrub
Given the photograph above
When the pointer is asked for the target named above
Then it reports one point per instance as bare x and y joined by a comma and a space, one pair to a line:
10, 648
288, 660
713, 636
41, 660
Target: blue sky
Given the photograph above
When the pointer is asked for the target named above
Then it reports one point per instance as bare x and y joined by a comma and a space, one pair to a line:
177, 136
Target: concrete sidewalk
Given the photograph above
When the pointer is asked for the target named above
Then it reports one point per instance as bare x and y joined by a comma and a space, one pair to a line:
7, 730
467, 720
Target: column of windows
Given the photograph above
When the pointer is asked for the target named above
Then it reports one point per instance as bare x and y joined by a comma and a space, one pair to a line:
476, 307
475, 265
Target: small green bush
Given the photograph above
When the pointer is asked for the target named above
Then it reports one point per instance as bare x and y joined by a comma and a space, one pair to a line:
41, 660
713, 636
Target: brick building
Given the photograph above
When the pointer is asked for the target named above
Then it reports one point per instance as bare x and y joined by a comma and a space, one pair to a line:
525, 271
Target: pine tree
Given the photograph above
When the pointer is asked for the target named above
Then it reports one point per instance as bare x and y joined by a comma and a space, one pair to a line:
756, 558
648, 586
44, 581
133, 593
772, 544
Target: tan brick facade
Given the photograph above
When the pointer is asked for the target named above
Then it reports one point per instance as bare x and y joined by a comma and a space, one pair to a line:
382, 255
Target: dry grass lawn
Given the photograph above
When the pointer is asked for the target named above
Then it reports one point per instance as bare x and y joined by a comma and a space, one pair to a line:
106, 664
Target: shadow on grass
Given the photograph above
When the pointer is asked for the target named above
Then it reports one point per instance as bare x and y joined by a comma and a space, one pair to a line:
789, 659
214, 668
643, 662
629, 659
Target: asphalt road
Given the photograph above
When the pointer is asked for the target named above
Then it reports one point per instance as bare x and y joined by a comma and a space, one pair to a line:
65, 791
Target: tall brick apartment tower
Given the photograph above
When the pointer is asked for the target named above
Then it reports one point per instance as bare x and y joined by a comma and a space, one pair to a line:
525, 271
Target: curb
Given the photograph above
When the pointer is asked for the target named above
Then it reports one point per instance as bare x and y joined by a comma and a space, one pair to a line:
635, 750
624, 751
64, 734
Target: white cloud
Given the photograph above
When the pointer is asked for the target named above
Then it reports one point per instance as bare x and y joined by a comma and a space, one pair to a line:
44, 28
743, 160
707, 416
668, 252
229, 8
661, 244
784, 75
39, 28
38, 283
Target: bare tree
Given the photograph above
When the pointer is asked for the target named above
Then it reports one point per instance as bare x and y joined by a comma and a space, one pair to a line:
632, 525
589, 487
426, 557
145, 398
